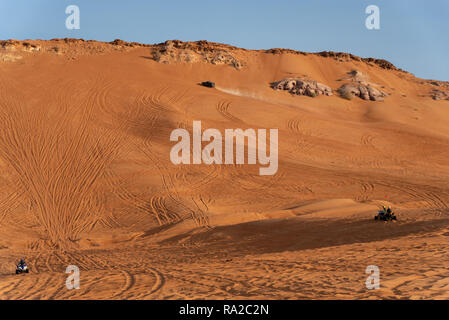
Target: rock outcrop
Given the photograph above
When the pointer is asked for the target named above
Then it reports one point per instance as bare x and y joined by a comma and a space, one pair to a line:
363, 90
12, 50
439, 95
200, 51
15, 45
302, 87
339, 56
359, 86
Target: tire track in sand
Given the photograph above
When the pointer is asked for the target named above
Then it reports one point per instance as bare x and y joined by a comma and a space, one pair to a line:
223, 108
302, 136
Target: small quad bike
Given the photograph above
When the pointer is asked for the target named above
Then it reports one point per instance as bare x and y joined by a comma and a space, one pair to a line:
208, 84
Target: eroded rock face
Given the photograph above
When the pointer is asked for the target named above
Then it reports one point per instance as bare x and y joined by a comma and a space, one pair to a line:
7, 57
363, 90
199, 51
12, 50
15, 45
302, 87
439, 95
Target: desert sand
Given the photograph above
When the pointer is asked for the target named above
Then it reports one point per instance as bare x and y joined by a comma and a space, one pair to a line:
86, 178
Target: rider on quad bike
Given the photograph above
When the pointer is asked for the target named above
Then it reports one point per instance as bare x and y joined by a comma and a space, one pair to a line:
22, 267
386, 214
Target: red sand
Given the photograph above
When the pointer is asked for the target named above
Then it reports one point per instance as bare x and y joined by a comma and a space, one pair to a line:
86, 178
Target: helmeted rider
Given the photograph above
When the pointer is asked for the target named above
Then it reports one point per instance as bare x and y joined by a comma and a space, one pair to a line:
22, 262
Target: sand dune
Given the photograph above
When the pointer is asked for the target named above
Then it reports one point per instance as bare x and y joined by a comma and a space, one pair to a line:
86, 177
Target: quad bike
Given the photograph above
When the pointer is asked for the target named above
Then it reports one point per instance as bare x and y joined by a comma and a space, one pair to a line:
208, 84
384, 216
22, 269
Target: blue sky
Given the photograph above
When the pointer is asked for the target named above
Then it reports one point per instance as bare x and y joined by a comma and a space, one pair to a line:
413, 34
